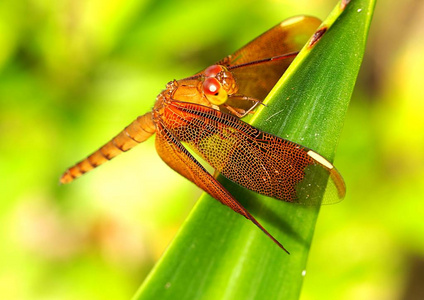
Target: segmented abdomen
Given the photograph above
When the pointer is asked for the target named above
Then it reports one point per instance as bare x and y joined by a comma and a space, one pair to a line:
138, 131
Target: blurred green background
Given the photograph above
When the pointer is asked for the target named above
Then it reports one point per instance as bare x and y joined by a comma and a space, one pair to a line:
74, 73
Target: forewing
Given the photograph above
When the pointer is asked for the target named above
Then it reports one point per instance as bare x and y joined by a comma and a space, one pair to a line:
259, 161
178, 158
258, 79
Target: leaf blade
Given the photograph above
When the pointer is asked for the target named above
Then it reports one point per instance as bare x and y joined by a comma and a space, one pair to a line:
219, 255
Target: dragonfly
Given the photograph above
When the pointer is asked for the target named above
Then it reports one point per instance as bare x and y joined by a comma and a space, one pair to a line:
203, 112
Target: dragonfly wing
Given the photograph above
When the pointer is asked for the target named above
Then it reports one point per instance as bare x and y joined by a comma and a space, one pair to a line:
175, 155
286, 37
257, 160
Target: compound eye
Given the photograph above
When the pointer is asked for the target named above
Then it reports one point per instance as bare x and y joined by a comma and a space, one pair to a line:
212, 71
211, 86
214, 91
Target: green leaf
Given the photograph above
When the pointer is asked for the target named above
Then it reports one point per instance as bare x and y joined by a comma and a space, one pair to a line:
218, 254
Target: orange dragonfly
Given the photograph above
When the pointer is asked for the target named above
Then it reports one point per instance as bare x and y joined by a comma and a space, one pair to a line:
204, 111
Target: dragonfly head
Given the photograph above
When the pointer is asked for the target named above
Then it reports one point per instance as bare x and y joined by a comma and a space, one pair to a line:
218, 84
